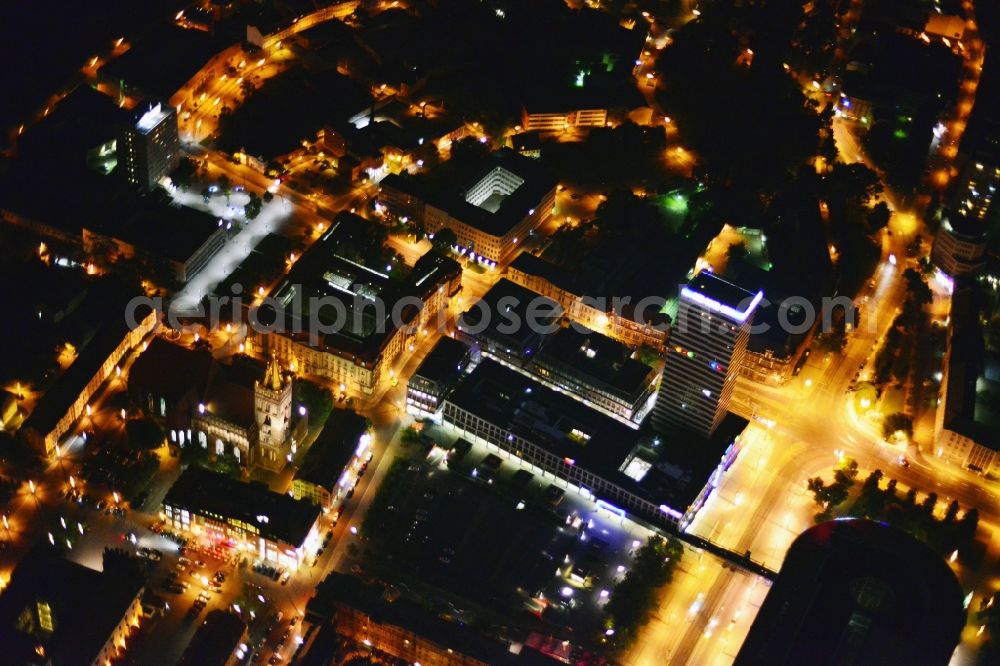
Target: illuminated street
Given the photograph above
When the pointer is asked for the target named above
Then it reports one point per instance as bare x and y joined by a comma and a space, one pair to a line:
630, 451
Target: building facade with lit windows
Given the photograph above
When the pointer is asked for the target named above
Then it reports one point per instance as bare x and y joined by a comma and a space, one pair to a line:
69, 399
371, 319
522, 329
597, 370
960, 245
246, 517
509, 323
501, 200
706, 350
349, 607
333, 464
665, 482
436, 376
148, 147
635, 327
54, 611
558, 120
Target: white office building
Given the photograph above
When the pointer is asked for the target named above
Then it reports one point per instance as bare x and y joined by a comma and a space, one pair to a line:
704, 354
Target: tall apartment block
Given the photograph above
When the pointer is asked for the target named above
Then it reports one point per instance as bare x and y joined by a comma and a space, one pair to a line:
148, 147
704, 354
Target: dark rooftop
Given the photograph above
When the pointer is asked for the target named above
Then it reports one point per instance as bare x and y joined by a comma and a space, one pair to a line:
163, 60
444, 360
680, 465
105, 204
229, 392
970, 406
277, 516
80, 122
216, 640
532, 265
511, 400
621, 94
605, 362
967, 229
504, 312
857, 592
155, 225
334, 268
525, 141
170, 370
448, 192
83, 608
329, 454
605, 276
111, 300
334, 99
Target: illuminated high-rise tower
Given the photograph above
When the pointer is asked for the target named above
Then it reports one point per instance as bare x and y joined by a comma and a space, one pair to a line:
704, 352
148, 148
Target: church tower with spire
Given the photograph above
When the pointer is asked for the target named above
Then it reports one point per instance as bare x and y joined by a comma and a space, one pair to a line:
273, 407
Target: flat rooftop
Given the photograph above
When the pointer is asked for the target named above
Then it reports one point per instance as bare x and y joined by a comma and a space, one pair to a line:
277, 516
339, 267
104, 204
450, 189
81, 121
152, 117
333, 448
504, 312
216, 640
333, 100
531, 265
598, 358
444, 361
157, 226
164, 59
720, 296
674, 471
971, 407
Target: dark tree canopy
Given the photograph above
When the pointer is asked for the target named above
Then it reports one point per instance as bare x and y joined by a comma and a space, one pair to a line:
897, 422
444, 239
746, 119
144, 434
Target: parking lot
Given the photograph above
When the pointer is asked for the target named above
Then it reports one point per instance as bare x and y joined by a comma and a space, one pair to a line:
185, 583
474, 531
